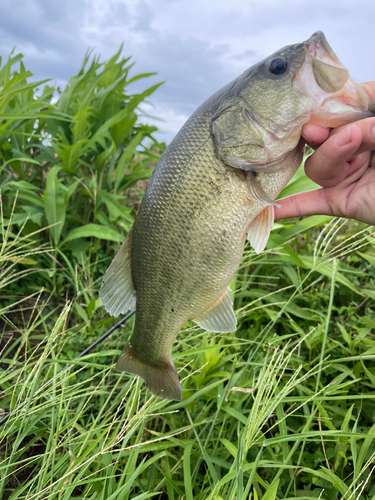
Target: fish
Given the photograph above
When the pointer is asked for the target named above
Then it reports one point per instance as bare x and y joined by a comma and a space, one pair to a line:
216, 183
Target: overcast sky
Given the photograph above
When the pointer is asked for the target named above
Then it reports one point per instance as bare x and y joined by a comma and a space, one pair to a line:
195, 46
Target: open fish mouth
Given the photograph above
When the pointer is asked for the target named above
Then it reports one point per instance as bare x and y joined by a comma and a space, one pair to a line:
318, 47
329, 73
338, 98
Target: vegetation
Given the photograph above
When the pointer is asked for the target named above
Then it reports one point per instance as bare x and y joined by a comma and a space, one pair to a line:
283, 408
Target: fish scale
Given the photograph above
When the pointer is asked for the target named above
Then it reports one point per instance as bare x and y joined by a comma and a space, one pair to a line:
215, 183
203, 230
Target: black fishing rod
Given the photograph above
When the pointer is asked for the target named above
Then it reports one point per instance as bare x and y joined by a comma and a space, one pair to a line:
87, 350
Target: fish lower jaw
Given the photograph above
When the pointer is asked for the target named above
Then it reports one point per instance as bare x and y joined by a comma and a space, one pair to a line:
335, 114
348, 104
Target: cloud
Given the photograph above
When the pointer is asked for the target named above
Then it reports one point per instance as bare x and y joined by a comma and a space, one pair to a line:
166, 119
196, 46
46, 33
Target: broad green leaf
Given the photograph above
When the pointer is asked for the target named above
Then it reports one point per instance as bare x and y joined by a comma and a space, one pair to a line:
125, 159
298, 184
370, 258
187, 472
54, 204
304, 225
22, 185
18, 88
81, 312
115, 208
330, 476
271, 492
25, 159
33, 213
33, 198
367, 442
81, 122
95, 231
5, 71
138, 98
90, 307
104, 156
123, 129
68, 192
370, 375
344, 333
130, 179
69, 154
230, 447
102, 135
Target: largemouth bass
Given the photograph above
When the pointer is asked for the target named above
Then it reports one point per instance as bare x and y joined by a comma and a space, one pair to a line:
215, 184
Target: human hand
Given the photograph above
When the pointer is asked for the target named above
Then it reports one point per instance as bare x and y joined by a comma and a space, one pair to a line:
344, 165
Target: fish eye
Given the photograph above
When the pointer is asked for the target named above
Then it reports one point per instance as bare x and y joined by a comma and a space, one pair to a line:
278, 66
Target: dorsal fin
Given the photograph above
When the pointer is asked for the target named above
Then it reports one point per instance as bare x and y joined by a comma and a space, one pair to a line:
219, 317
117, 291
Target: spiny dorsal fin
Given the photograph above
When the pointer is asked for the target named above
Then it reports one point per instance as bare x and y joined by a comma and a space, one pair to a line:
219, 317
117, 291
260, 228
161, 380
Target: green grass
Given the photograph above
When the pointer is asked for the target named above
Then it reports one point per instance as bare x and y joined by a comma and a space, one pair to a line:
284, 408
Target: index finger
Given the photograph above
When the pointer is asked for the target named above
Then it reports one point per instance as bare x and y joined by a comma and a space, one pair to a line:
369, 88
367, 126
314, 135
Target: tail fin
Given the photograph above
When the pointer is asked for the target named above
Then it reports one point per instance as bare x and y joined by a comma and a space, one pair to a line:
161, 380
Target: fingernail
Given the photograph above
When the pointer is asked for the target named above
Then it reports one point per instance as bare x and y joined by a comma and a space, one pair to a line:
373, 133
343, 138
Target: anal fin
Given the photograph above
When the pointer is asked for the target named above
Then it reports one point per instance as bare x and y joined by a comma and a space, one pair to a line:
161, 380
260, 228
117, 291
219, 317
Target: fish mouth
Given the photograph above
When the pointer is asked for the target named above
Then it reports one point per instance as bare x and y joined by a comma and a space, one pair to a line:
338, 99
318, 47
311, 45
329, 73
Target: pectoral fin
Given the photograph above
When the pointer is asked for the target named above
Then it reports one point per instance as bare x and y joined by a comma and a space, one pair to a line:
117, 291
256, 190
219, 317
260, 228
